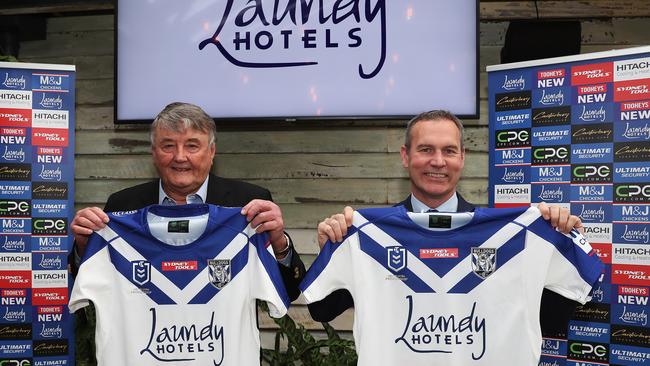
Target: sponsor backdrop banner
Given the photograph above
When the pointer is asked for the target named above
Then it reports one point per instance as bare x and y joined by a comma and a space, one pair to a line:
575, 131
36, 205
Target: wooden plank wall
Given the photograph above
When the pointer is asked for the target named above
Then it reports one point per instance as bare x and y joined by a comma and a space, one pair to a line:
311, 173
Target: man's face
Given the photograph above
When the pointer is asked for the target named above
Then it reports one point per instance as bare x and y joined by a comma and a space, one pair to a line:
182, 159
434, 160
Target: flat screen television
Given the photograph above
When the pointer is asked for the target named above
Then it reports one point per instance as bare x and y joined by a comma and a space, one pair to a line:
297, 59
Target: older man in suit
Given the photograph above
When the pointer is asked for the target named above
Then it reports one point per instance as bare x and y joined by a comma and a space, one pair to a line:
183, 145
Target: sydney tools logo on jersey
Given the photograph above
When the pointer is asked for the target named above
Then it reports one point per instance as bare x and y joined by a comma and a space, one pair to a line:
176, 343
448, 333
260, 28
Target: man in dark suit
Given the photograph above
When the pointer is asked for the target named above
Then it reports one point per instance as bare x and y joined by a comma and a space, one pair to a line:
183, 145
434, 156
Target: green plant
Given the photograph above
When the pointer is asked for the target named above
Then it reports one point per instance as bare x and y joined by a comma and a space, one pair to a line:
8, 58
304, 348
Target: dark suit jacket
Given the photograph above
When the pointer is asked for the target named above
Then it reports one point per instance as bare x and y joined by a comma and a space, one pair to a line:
556, 310
221, 191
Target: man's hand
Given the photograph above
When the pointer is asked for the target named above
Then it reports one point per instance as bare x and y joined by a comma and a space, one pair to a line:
265, 216
335, 227
560, 218
84, 223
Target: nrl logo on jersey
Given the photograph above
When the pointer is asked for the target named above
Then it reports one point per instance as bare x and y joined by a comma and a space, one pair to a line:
484, 261
140, 272
219, 272
396, 258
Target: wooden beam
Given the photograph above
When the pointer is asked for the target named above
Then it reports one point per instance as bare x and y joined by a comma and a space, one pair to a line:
19, 7
505, 10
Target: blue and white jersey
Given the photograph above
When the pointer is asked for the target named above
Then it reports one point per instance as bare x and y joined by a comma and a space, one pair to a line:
451, 288
177, 285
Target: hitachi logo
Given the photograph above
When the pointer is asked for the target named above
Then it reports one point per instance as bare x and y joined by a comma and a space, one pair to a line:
44, 115
11, 96
512, 191
633, 66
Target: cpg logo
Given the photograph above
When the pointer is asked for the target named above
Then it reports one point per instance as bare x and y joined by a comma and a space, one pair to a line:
15, 363
588, 351
50, 226
591, 173
548, 155
15, 208
513, 138
632, 193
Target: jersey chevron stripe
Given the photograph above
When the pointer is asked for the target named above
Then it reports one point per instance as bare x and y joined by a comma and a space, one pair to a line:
179, 296
422, 271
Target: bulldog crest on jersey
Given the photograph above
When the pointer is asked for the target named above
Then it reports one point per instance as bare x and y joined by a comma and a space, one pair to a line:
396, 258
484, 261
140, 272
219, 272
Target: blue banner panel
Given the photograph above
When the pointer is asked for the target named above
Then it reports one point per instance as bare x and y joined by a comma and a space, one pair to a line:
37, 120
576, 130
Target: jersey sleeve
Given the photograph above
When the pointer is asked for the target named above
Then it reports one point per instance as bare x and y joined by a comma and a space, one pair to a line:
331, 271
574, 268
266, 281
94, 273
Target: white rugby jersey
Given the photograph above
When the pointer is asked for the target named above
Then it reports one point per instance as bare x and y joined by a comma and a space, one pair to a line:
451, 288
177, 285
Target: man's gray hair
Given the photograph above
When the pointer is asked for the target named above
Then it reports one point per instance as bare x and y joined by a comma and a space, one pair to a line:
180, 116
434, 115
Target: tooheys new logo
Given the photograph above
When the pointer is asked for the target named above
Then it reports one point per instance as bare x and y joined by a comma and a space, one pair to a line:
591, 173
50, 226
546, 155
583, 134
635, 111
512, 101
512, 138
45, 191
551, 116
282, 29
15, 171
632, 192
15, 208
583, 351
631, 151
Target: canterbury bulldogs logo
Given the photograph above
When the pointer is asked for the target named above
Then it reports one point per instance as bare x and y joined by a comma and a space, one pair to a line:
141, 272
219, 272
484, 261
396, 258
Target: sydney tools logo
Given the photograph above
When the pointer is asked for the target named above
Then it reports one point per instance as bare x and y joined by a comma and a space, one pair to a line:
254, 25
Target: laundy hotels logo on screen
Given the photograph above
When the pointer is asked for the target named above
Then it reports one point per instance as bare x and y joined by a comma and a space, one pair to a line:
287, 32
